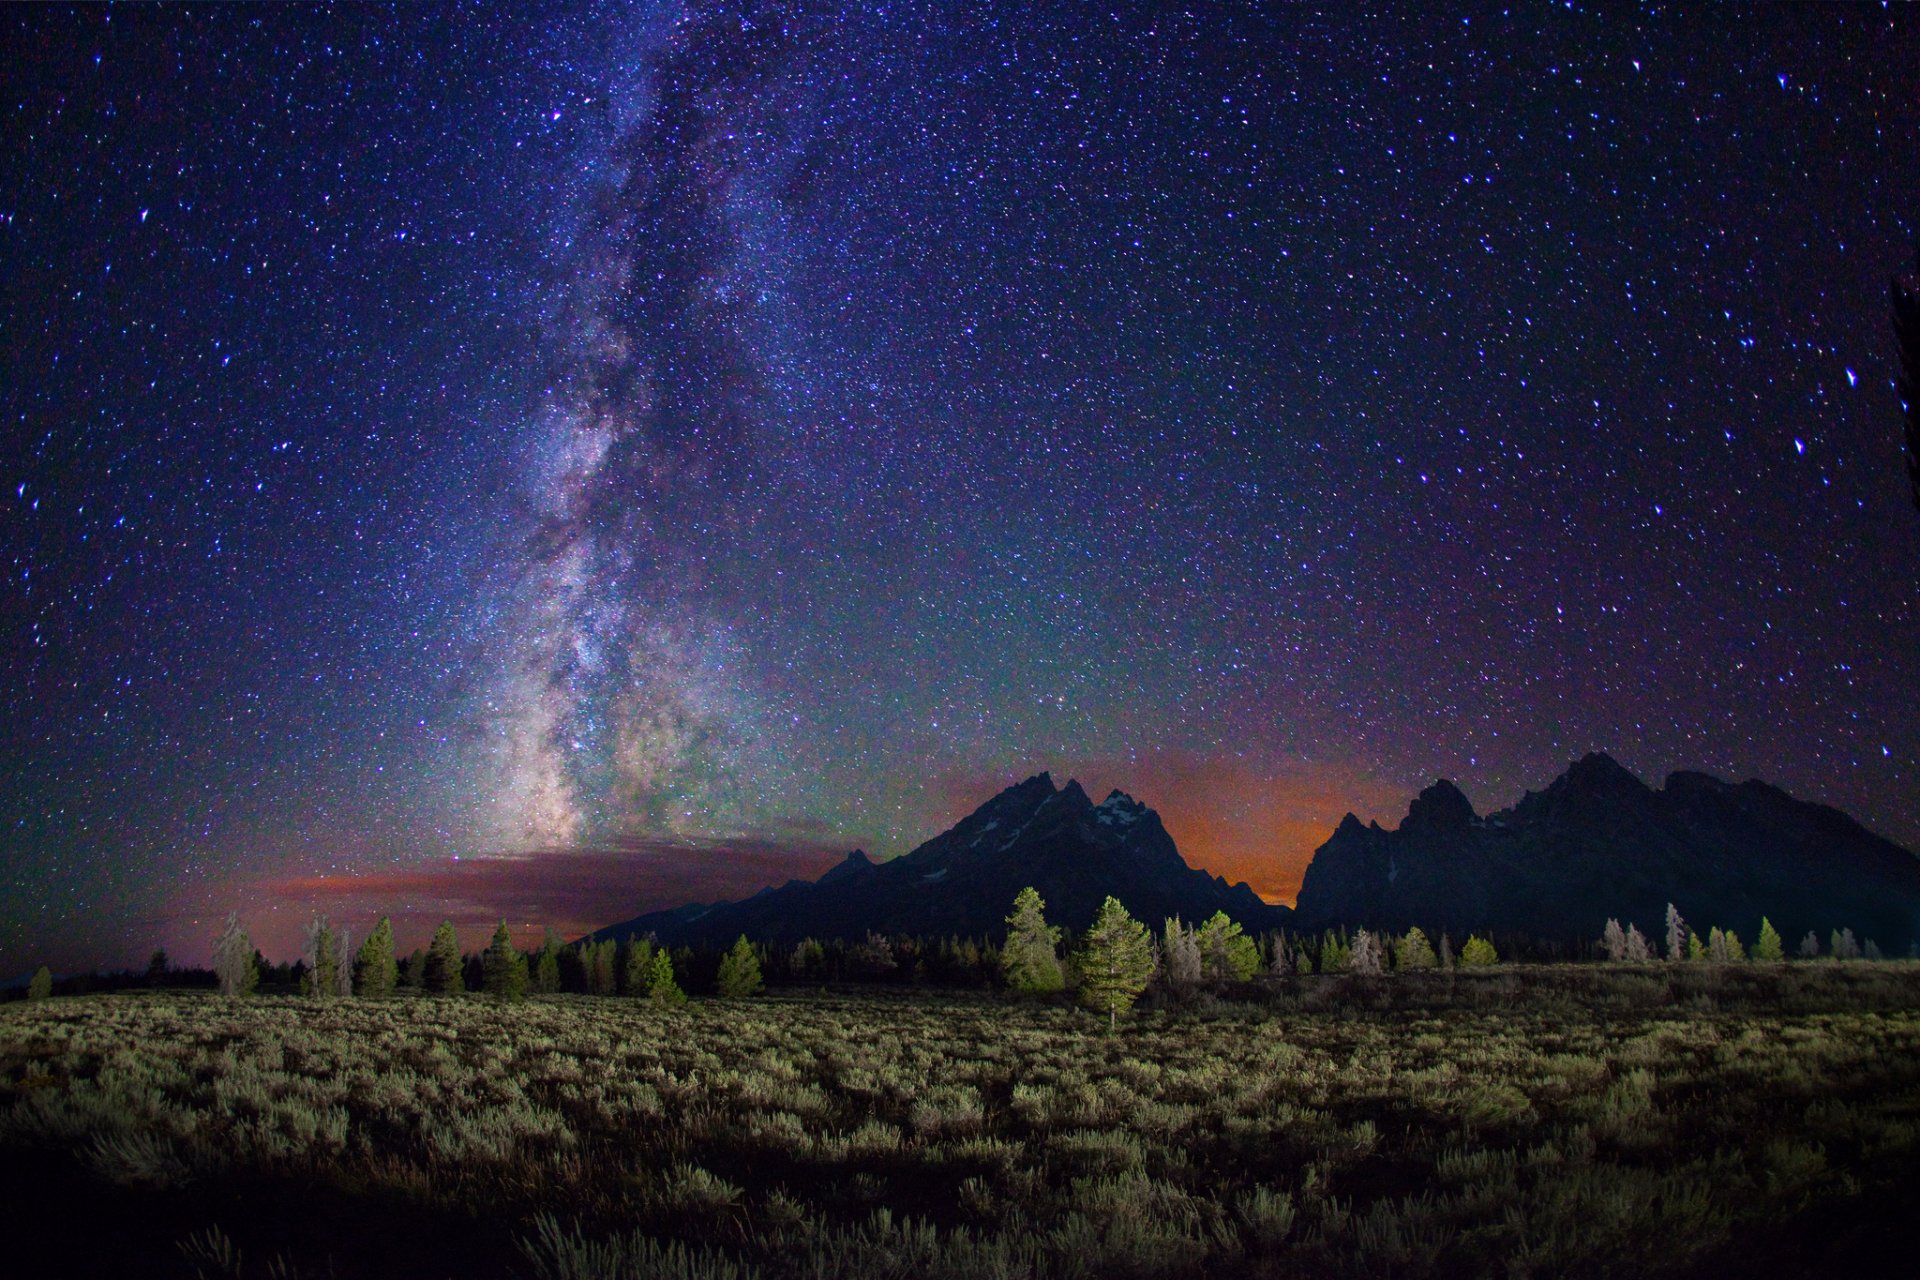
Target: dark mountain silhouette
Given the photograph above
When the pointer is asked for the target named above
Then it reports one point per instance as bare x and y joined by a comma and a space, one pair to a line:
962, 883
1599, 842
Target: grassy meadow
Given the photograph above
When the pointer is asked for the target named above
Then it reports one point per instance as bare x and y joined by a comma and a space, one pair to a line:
1565, 1120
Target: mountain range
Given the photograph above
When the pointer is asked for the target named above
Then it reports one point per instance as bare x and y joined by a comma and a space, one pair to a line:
1598, 842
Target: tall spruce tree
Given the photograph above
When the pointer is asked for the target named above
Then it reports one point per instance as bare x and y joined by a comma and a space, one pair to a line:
505, 973
441, 972
545, 978
40, 986
233, 963
739, 971
1029, 960
1768, 946
1479, 953
1613, 941
1414, 951
637, 968
1365, 956
661, 987
1183, 965
375, 973
1116, 961
1227, 954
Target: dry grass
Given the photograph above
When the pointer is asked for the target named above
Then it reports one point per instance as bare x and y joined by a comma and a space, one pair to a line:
1599, 1123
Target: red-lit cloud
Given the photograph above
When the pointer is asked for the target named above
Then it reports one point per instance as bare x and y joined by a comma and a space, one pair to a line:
573, 891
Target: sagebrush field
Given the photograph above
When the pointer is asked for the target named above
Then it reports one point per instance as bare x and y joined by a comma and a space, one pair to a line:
1552, 1121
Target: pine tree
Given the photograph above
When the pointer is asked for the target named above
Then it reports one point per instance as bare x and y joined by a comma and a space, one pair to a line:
1639, 950
637, 968
1414, 951
1768, 947
413, 971
1696, 949
504, 969
1478, 954
1365, 956
1613, 941
1227, 954
233, 962
40, 986
1334, 953
441, 972
1717, 946
1676, 934
1446, 950
322, 978
661, 988
375, 972
601, 961
1282, 962
1030, 961
1844, 945
739, 971
1736, 953
157, 968
1810, 946
1115, 961
545, 979
808, 958
1180, 949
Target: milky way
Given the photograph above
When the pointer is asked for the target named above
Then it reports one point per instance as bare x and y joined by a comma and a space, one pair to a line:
736, 432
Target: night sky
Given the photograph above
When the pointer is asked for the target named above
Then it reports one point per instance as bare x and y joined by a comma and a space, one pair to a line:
673, 446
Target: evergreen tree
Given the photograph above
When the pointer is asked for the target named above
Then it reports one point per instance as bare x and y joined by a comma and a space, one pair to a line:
1768, 947
545, 979
1736, 952
1446, 950
322, 977
233, 959
637, 967
601, 963
40, 986
1115, 961
1030, 961
1365, 956
1639, 950
441, 972
1334, 952
1282, 962
1478, 954
1844, 946
157, 967
1870, 950
1414, 951
1613, 941
739, 971
1226, 953
374, 971
413, 971
809, 957
1676, 934
504, 969
1180, 950
661, 988
1810, 946
1696, 949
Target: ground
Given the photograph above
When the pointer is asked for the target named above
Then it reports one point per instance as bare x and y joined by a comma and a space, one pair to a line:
1552, 1121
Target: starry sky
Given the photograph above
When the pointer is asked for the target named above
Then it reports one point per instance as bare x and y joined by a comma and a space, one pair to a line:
564, 460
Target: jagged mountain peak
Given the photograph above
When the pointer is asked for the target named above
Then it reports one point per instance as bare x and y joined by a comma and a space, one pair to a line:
1599, 843
962, 882
1442, 807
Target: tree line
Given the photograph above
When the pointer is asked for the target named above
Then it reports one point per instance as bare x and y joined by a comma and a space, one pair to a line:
1102, 968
